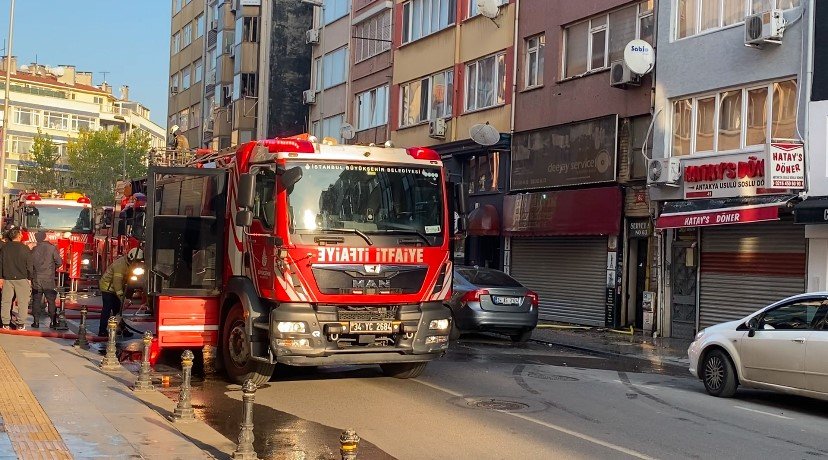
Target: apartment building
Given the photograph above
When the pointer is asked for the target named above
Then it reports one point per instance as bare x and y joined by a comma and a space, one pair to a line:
61, 101
186, 88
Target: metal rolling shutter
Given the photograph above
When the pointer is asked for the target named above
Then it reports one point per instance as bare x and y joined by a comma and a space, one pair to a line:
568, 273
746, 267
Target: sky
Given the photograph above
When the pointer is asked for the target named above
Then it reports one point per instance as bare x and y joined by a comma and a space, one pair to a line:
129, 39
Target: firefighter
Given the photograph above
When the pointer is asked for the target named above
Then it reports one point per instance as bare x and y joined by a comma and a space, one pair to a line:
113, 284
180, 144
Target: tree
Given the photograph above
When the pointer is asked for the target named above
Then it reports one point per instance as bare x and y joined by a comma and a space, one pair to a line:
97, 159
42, 174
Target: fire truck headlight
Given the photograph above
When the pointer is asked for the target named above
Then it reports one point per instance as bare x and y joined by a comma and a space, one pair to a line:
138, 271
133, 278
67, 235
438, 324
291, 326
85, 261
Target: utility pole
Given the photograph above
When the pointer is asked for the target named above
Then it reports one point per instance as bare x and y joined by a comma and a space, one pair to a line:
6, 117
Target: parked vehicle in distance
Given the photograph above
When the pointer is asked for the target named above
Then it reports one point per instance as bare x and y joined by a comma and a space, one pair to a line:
781, 347
485, 299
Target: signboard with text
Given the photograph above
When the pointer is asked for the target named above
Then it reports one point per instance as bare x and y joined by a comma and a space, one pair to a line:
786, 166
725, 176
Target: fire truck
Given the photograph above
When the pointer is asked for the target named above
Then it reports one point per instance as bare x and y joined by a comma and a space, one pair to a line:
67, 220
120, 228
304, 253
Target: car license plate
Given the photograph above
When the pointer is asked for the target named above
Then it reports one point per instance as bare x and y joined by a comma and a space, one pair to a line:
370, 327
500, 300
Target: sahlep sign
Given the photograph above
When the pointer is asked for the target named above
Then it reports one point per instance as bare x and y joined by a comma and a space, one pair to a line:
725, 176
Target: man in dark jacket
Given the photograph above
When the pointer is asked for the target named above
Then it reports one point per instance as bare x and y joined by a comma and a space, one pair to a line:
43, 265
14, 271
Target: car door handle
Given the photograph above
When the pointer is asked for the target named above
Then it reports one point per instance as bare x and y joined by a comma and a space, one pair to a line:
799, 340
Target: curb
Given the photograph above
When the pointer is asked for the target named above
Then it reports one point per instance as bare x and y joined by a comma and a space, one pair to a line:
602, 352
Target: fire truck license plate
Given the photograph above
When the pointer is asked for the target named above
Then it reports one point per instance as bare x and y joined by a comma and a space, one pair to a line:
369, 327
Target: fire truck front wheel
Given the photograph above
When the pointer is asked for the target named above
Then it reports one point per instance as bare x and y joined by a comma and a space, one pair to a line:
403, 370
235, 349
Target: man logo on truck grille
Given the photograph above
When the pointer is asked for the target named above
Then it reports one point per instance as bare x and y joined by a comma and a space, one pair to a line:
371, 284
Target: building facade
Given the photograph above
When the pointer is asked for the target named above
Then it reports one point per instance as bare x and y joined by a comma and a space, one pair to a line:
186, 90
730, 242
61, 101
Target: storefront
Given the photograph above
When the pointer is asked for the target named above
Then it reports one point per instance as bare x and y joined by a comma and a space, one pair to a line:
735, 246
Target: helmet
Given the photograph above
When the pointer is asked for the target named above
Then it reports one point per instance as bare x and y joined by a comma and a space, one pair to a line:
139, 199
135, 254
174, 129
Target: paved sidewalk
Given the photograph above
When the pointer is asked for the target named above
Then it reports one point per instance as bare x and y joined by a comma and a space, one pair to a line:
56, 403
659, 351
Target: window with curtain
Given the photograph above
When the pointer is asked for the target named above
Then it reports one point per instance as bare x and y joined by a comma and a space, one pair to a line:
486, 82
372, 108
427, 99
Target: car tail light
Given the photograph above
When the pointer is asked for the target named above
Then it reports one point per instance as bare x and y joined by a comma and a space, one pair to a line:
533, 296
474, 296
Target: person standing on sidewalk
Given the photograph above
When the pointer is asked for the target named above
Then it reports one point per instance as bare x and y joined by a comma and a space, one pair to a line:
43, 265
14, 271
112, 284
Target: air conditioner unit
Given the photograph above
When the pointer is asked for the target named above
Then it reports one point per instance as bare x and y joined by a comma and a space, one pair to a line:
312, 37
764, 27
213, 25
437, 128
666, 171
621, 76
309, 96
173, 90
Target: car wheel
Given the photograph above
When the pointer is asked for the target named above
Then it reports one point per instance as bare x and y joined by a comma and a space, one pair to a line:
718, 374
403, 370
235, 352
521, 337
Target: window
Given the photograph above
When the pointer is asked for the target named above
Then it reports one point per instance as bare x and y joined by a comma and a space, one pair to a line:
198, 72
199, 21
595, 43
735, 119
56, 120
187, 35
424, 17
427, 99
249, 86
174, 84
792, 316
98, 100
250, 29
481, 173
184, 119
534, 60
486, 82
335, 9
372, 36
24, 116
185, 78
195, 116
20, 145
473, 11
334, 68
698, 16
264, 204
331, 127
177, 4
372, 108
80, 123
176, 42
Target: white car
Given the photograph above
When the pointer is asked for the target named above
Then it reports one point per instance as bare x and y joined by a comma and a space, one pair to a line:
782, 347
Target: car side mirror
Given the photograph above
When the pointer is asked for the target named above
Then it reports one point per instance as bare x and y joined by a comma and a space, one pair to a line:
244, 218
752, 325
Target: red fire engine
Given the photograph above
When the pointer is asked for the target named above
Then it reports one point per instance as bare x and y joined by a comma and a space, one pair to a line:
303, 253
66, 219
120, 227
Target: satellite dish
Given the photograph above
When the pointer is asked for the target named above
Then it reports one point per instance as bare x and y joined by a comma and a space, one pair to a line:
488, 8
347, 131
59, 71
484, 134
24, 68
639, 56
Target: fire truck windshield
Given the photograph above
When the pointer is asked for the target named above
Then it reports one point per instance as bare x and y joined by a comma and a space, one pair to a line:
368, 199
58, 217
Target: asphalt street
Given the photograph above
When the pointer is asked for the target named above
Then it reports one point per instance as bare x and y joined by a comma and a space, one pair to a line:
490, 399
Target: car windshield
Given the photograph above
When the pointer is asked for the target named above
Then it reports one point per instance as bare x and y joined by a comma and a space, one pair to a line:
487, 277
368, 200
58, 217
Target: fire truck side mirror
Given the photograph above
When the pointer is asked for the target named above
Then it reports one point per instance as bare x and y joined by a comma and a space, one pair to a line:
290, 177
247, 191
244, 218
460, 198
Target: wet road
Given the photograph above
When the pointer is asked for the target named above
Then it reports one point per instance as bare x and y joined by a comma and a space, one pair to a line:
490, 399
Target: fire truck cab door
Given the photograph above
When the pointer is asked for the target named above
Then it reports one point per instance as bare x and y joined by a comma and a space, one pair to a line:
185, 225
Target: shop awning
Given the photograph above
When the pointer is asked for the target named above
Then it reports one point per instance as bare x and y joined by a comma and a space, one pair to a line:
814, 210
592, 211
484, 221
723, 211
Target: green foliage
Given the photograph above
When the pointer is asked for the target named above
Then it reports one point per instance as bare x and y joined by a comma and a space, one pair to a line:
43, 175
97, 159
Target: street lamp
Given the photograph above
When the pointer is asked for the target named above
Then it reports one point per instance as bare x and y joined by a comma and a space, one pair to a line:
6, 117
321, 5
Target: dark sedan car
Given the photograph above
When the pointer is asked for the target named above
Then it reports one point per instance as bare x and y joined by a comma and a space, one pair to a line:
485, 299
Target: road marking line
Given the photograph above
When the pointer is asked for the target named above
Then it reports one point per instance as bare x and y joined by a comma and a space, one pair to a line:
558, 428
763, 412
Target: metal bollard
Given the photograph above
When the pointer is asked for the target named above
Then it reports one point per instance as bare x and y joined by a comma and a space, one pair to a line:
110, 361
144, 382
184, 409
349, 444
81, 341
60, 321
245, 450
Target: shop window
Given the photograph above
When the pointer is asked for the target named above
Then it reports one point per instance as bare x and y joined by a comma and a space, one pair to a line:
481, 173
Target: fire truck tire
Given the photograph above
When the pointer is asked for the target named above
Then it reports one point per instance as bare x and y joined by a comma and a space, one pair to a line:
235, 352
403, 370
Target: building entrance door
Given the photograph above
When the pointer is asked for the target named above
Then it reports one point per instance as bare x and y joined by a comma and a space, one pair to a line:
684, 282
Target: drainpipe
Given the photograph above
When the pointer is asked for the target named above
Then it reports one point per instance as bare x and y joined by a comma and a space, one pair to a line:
514, 70
809, 74
266, 21
457, 21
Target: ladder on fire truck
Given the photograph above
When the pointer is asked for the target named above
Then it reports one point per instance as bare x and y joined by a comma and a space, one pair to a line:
193, 158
